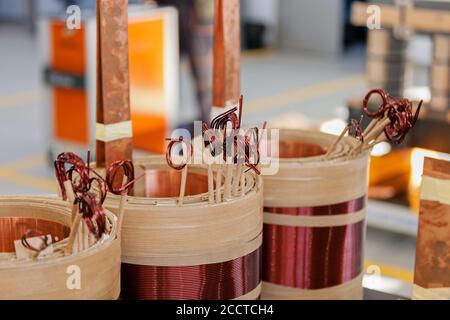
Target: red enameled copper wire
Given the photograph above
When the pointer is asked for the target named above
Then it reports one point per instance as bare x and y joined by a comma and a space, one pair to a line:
12, 229
90, 204
127, 168
63, 174
326, 210
355, 129
171, 144
313, 257
218, 281
399, 112
226, 280
243, 146
35, 233
92, 212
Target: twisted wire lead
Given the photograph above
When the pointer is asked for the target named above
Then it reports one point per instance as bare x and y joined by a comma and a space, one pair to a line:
32, 234
92, 213
128, 170
171, 144
398, 111
77, 166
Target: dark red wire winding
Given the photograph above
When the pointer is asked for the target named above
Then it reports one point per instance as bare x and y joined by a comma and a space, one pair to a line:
90, 204
381, 108
171, 144
76, 165
32, 234
399, 112
243, 146
402, 120
248, 148
355, 129
92, 213
128, 170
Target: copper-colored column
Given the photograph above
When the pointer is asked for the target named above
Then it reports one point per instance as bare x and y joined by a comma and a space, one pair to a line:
432, 271
227, 47
113, 97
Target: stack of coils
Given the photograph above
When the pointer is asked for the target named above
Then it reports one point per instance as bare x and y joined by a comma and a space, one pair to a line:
388, 66
314, 212
196, 250
440, 74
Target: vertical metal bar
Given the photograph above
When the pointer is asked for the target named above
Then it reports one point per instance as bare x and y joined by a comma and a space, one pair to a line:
227, 51
113, 98
431, 275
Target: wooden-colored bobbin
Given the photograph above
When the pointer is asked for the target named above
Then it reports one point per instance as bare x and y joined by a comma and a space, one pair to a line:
315, 199
49, 276
201, 233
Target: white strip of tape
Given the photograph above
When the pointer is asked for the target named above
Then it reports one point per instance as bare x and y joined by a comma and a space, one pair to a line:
350, 290
420, 293
113, 132
434, 189
252, 295
314, 221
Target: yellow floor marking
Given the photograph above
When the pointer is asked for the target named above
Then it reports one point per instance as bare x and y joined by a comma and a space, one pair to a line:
391, 271
10, 172
302, 94
19, 99
259, 53
26, 163
42, 184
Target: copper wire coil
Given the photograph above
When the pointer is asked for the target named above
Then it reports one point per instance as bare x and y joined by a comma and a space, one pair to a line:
298, 149
166, 183
12, 229
158, 195
325, 210
314, 257
301, 255
218, 281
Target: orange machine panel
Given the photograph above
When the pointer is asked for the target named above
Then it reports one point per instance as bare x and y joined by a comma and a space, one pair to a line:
148, 109
70, 107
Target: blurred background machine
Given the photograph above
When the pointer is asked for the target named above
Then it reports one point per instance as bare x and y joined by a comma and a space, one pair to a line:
390, 66
68, 60
440, 73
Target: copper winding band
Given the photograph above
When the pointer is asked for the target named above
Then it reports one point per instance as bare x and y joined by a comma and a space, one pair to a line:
339, 214
232, 279
312, 248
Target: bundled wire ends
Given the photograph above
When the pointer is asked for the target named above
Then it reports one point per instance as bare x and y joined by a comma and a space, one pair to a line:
391, 122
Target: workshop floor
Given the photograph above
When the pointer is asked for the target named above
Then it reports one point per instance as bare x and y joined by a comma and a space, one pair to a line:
277, 85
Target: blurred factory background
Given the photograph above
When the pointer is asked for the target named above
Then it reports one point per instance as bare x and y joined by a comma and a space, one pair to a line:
304, 65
